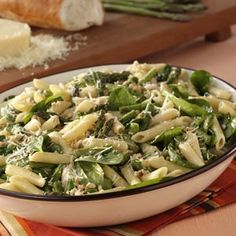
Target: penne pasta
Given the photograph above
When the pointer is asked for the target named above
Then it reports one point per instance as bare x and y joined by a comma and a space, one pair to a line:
220, 93
189, 153
40, 84
149, 149
165, 115
227, 108
59, 107
51, 123
219, 135
129, 175
24, 185
159, 161
79, 130
156, 174
89, 91
50, 157
33, 126
38, 96
150, 134
194, 143
57, 90
119, 145
116, 179
85, 106
29, 175
9, 187
175, 173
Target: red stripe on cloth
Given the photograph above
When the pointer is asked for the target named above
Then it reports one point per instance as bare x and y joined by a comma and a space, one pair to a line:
49, 230
25, 226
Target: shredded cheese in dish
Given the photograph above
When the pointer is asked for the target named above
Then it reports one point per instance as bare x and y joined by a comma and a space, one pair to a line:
112, 131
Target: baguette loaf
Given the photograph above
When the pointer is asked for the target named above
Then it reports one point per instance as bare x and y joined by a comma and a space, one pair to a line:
71, 15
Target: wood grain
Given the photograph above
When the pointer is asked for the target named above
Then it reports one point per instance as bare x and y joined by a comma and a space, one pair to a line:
124, 38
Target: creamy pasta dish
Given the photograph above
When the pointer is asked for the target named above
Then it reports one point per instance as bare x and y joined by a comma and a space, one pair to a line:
106, 131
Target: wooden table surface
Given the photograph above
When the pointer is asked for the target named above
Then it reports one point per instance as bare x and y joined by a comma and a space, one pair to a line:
220, 60
123, 38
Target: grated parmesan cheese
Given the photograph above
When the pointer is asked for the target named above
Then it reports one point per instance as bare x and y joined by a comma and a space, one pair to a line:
43, 49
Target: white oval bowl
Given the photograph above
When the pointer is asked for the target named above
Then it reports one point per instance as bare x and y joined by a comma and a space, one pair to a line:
117, 207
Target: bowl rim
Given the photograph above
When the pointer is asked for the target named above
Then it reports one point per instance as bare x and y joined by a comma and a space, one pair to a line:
129, 192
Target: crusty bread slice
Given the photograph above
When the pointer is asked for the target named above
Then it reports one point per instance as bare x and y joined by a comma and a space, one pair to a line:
69, 15
81, 14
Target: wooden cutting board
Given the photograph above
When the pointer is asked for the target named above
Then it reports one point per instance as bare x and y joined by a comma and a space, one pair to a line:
124, 38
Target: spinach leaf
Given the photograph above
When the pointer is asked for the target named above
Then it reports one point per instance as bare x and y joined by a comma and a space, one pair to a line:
41, 106
112, 158
107, 183
49, 146
81, 174
69, 185
44, 169
45, 103
120, 96
37, 144
106, 156
56, 176
8, 149
201, 81
93, 171
43, 143
131, 144
57, 187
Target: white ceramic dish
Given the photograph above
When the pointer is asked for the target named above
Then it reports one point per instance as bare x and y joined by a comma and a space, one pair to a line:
117, 207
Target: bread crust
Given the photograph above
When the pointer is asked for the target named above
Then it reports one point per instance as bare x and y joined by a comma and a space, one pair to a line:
44, 13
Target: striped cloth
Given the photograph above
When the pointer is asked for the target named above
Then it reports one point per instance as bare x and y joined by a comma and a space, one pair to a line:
222, 192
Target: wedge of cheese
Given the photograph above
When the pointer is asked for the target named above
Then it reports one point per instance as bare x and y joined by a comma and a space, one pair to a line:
14, 37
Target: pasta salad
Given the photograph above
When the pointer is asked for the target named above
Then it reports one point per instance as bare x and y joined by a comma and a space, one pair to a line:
108, 130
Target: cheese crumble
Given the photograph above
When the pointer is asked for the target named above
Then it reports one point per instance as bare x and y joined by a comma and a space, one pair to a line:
43, 49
